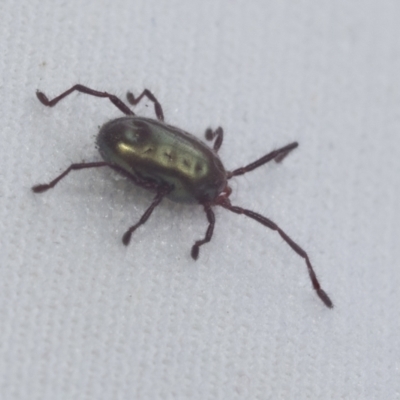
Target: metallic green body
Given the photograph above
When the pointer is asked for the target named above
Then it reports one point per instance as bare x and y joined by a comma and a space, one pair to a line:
156, 154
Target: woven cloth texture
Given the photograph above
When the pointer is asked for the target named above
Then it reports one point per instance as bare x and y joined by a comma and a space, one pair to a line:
84, 317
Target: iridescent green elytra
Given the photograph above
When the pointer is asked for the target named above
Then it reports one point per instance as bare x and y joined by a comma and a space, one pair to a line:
174, 164
150, 150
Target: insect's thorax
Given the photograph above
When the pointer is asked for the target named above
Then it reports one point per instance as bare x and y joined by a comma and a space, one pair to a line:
154, 152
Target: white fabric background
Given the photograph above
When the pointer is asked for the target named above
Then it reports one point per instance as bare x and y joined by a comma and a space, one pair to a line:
83, 317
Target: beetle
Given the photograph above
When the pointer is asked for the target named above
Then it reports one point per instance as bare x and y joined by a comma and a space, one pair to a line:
173, 164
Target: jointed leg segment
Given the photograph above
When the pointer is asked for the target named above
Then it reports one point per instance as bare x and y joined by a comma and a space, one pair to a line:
72, 167
157, 200
83, 89
146, 92
218, 134
211, 222
269, 224
277, 155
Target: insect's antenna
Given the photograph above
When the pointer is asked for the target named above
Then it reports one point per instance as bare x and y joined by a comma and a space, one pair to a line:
269, 224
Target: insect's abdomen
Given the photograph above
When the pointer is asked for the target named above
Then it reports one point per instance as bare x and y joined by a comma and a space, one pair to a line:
153, 152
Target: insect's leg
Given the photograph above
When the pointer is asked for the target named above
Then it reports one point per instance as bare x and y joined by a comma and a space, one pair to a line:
277, 155
80, 88
126, 238
146, 92
269, 224
211, 222
218, 133
43, 187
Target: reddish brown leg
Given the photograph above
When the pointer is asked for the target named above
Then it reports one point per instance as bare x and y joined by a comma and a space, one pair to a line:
218, 133
146, 92
277, 155
83, 89
269, 224
156, 201
43, 187
211, 222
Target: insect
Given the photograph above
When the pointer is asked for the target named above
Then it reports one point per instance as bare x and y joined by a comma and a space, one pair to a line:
173, 164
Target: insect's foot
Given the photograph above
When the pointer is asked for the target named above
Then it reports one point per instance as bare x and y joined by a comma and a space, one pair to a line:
195, 252
42, 98
126, 238
40, 188
325, 298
